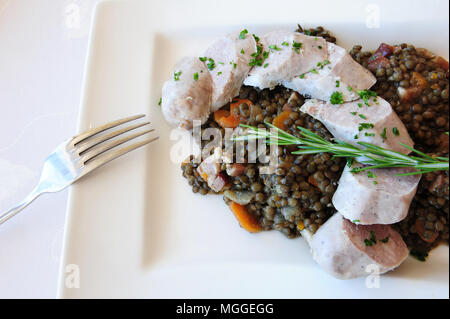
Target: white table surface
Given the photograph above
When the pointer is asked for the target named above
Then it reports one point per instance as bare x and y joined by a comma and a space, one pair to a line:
42, 54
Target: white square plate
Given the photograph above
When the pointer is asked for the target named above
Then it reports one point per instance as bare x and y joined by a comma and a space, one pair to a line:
135, 229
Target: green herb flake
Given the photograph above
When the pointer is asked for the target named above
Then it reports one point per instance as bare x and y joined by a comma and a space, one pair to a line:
385, 240
320, 47
234, 65
367, 242
196, 76
203, 58
365, 95
176, 75
370, 174
274, 47
296, 46
307, 32
266, 65
219, 73
349, 88
364, 126
375, 182
286, 44
221, 63
211, 64
369, 134
356, 137
314, 71
302, 76
355, 221
349, 161
372, 237
336, 98
160, 101
256, 38
338, 84
362, 116
242, 51
383, 134
353, 113
395, 131
242, 34
360, 105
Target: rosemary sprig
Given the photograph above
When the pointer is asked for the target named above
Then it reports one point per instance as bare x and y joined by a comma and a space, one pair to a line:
368, 154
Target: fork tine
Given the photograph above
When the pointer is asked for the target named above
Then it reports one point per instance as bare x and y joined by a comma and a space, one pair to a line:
89, 155
77, 139
108, 157
100, 139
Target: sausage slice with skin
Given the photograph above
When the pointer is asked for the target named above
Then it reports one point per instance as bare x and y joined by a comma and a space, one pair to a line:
290, 54
381, 198
342, 74
352, 122
231, 56
346, 250
187, 94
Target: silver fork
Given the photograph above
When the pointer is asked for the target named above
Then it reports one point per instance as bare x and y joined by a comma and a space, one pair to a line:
80, 155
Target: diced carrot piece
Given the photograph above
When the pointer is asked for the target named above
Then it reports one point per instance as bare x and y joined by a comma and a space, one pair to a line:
312, 181
247, 221
228, 119
219, 114
279, 120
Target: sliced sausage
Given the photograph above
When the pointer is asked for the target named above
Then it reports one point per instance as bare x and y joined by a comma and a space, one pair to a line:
187, 94
354, 122
230, 56
289, 54
341, 74
377, 197
345, 250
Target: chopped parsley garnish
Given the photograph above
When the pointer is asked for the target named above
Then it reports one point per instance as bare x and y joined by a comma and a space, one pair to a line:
234, 65
365, 95
369, 134
395, 131
307, 32
353, 113
356, 137
176, 75
326, 62
383, 134
196, 76
203, 58
314, 71
367, 242
256, 38
221, 63
320, 47
364, 126
338, 83
286, 44
336, 98
316, 38
302, 76
266, 65
359, 104
349, 88
370, 174
211, 64
355, 221
296, 46
375, 182
265, 54
242, 51
242, 34
385, 240
274, 47
372, 237
219, 73
160, 101
362, 116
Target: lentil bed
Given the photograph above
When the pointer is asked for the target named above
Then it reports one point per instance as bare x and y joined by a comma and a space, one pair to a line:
299, 194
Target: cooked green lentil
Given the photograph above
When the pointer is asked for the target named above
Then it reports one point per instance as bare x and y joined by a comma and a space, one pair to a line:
300, 191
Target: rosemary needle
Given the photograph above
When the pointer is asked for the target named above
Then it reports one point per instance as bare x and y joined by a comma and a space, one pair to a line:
374, 156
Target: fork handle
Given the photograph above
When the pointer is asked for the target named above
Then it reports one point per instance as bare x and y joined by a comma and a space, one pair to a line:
13, 211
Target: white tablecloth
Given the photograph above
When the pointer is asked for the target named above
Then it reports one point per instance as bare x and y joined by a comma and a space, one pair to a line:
42, 53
